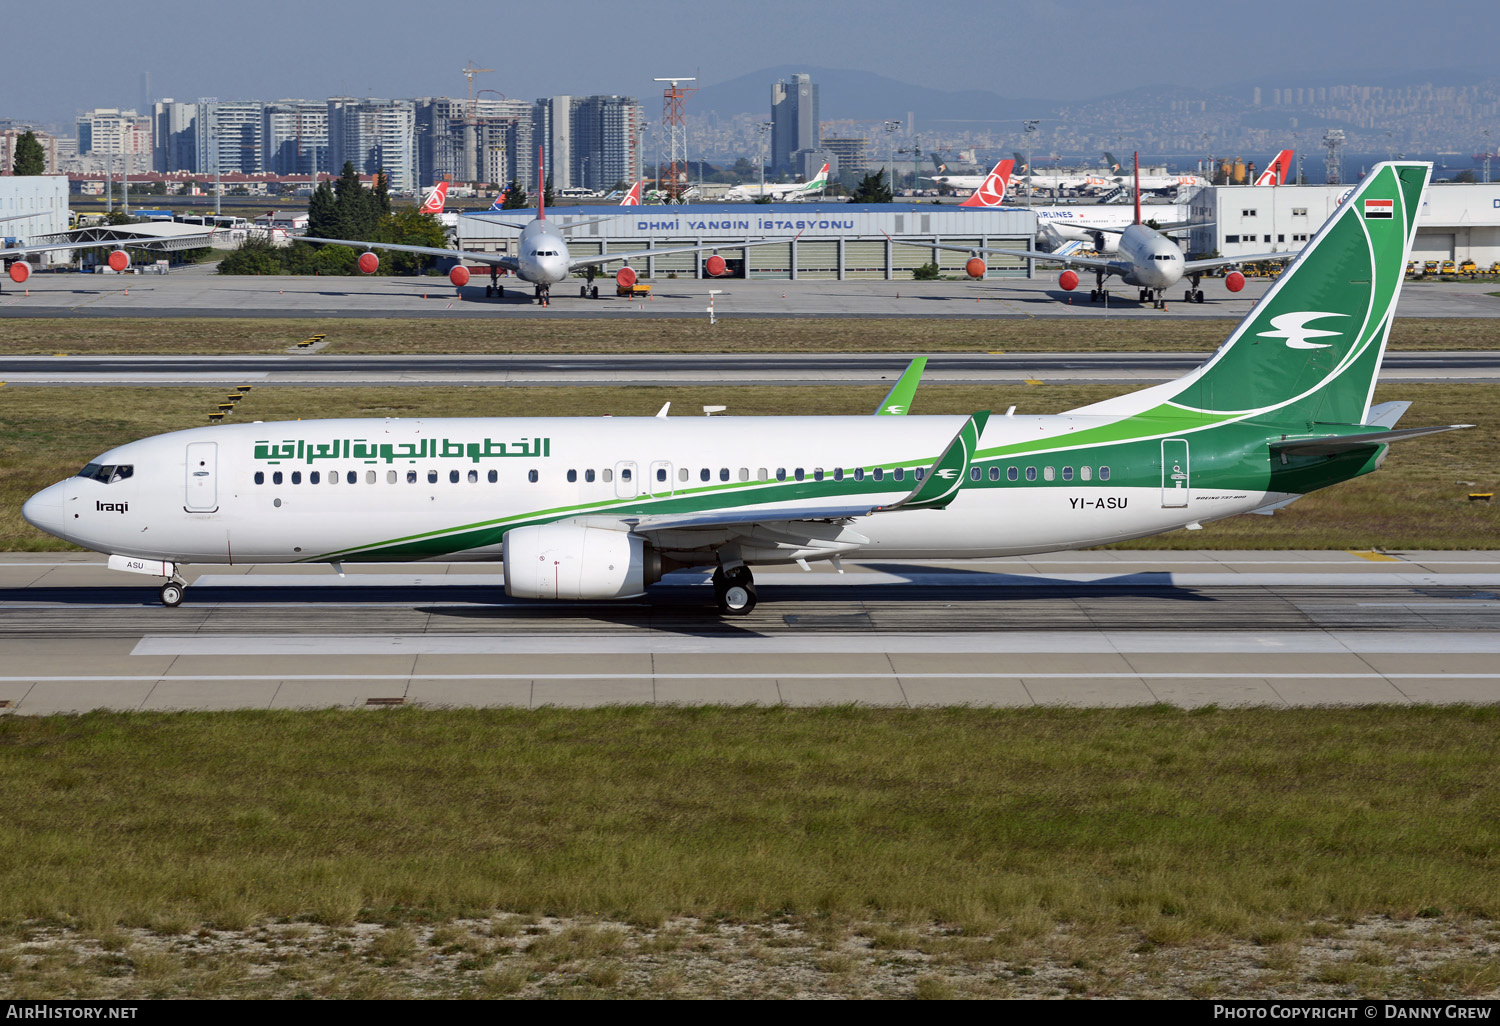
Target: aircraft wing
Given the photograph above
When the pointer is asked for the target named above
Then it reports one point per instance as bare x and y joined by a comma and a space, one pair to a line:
935, 490
508, 262
146, 242
1092, 263
1193, 266
609, 258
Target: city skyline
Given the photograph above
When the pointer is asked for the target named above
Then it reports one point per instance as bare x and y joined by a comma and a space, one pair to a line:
1044, 50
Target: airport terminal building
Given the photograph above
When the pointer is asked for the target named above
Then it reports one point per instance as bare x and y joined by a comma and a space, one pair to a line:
824, 240
1458, 221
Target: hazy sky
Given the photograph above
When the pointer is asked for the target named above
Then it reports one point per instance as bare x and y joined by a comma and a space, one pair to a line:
61, 58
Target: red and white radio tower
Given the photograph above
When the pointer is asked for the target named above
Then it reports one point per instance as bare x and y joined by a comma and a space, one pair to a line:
675, 182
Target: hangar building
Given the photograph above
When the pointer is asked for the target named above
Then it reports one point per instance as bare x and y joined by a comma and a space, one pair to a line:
833, 240
38, 204
1458, 221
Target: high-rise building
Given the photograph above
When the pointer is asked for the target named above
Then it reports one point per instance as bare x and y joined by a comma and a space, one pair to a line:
794, 120
111, 134
296, 135
475, 141
606, 141
230, 136
374, 135
552, 126
174, 136
853, 153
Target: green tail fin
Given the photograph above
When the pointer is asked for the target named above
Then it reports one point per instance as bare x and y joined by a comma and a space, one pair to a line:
1309, 351
1312, 346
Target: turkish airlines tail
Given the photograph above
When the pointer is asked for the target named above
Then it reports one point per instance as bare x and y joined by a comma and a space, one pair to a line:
1275, 172
433, 203
633, 197
992, 192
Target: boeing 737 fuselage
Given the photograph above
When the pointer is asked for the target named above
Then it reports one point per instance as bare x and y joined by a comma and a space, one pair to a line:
599, 508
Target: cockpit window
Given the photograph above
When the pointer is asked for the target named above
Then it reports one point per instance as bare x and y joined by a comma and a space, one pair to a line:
107, 473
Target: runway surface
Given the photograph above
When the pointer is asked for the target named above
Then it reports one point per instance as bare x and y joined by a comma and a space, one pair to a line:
1089, 628
1014, 368
199, 292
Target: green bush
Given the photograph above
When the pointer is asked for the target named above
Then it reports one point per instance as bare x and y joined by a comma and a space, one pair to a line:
927, 272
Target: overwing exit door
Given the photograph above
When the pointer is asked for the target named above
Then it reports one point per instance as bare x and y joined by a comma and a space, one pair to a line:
1174, 472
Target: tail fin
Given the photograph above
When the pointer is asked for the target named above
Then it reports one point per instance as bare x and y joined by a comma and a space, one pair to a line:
434, 201
633, 197
499, 203
1309, 351
992, 192
1275, 172
819, 181
1111, 161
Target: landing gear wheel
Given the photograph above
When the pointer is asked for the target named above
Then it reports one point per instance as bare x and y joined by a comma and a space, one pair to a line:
171, 594
734, 591
489, 290
1198, 296
1093, 295
499, 291
1187, 297
583, 292
593, 292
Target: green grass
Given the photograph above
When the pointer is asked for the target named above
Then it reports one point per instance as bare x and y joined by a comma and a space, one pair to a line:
931, 335
1174, 824
1418, 500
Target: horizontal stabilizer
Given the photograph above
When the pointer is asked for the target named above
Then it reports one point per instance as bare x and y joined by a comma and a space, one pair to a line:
1331, 445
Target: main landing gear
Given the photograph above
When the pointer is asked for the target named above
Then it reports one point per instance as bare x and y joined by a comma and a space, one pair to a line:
171, 594
494, 288
588, 292
734, 590
1099, 293
1194, 294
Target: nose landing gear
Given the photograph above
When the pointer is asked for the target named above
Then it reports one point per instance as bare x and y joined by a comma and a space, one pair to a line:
171, 594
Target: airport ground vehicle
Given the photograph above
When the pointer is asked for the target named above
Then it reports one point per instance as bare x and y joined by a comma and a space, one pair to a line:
1468, 267
1449, 267
1411, 268
1430, 267
637, 289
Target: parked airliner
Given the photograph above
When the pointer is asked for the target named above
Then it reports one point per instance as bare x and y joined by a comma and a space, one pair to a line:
542, 259
596, 508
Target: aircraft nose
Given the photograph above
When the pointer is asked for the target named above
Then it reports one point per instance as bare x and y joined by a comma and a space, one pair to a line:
44, 510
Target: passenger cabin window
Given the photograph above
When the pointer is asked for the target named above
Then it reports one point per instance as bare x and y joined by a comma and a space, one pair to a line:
473, 477
723, 473
296, 477
276, 477
572, 476
313, 477
532, 476
661, 474
432, 477
453, 477
1012, 474
352, 477
1031, 473
1067, 473
1104, 473
390, 477
682, 473
1084, 473
411, 477
369, 477
260, 477
588, 476
704, 474
494, 476
1048, 473
994, 473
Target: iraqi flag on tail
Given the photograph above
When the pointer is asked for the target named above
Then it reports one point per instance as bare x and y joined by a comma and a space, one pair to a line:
1379, 209
992, 192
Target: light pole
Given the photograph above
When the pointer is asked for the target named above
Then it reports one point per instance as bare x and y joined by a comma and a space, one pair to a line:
218, 182
1030, 168
764, 127
890, 128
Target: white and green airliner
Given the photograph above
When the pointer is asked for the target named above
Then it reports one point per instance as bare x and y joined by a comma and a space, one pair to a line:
597, 508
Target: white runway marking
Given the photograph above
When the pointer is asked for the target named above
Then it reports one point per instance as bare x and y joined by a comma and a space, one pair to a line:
657, 643
199, 678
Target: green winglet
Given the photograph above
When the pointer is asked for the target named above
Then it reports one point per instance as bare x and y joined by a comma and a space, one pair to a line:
939, 486
898, 400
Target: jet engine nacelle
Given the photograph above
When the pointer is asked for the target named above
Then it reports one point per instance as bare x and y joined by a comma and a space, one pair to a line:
569, 561
20, 270
369, 263
1234, 281
625, 277
974, 268
459, 276
1068, 280
715, 266
119, 261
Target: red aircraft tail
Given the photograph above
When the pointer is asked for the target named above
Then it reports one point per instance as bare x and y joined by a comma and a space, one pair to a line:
992, 192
